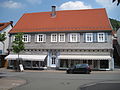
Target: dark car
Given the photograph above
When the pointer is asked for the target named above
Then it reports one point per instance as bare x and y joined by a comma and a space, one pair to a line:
79, 68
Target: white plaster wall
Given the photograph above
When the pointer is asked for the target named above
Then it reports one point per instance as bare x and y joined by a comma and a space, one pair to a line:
7, 29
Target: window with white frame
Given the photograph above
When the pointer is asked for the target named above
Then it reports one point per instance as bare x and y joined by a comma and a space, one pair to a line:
89, 37
41, 38
61, 37
73, 37
26, 38
54, 37
101, 37
53, 60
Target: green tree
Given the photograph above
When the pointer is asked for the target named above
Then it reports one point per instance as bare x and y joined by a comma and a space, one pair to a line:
18, 46
115, 24
2, 39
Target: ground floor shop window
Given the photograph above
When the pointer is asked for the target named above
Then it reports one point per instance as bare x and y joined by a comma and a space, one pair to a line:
27, 64
84, 61
94, 64
90, 63
35, 64
104, 64
42, 64
12, 63
65, 63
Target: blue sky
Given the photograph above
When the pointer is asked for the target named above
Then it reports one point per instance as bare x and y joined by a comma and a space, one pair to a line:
12, 10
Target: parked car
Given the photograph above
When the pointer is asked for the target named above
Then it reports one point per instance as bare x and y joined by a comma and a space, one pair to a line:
79, 68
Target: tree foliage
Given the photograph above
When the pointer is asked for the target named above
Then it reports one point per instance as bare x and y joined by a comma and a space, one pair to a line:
3, 38
115, 24
18, 44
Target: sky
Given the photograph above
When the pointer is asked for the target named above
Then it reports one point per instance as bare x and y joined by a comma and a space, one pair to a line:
12, 10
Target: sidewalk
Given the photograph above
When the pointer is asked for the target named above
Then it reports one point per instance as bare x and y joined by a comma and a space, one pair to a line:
8, 82
64, 71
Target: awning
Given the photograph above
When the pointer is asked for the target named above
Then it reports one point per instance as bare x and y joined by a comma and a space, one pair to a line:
85, 57
27, 57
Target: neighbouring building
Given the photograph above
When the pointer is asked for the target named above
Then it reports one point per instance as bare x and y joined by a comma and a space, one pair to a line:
116, 46
4, 27
118, 36
61, 39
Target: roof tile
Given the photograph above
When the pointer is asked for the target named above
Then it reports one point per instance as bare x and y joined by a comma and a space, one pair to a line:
4, 25
67, 20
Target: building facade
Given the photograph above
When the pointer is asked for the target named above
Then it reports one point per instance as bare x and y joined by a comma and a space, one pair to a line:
4, 27
61, 39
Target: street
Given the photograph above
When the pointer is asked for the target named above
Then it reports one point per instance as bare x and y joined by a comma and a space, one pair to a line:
59, 80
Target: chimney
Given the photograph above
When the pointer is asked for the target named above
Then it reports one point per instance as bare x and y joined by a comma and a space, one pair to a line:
53, 11
11, 22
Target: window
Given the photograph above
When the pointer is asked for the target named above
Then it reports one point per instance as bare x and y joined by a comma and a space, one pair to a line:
89, 37
73, 37
25, 38
101, 37
14, 38
54, 37
53, 60
62, 37
41, 38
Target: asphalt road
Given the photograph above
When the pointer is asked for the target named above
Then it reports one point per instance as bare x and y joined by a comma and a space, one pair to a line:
102, 86
52, 80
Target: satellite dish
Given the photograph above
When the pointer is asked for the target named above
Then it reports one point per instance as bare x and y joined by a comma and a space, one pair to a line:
118, 36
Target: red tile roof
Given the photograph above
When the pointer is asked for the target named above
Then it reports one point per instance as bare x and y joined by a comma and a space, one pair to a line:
4, 25
68, 20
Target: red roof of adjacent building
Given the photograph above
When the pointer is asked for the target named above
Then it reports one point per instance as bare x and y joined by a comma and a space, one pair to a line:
4, 25
67, 20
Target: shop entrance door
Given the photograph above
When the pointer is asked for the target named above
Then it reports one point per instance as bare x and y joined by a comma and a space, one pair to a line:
53, 61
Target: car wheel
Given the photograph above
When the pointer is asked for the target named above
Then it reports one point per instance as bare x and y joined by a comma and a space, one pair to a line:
87, 72
71, 71
67, 72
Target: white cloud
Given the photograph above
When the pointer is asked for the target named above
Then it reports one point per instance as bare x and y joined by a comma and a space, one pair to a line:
74, 5
106, 3
35, 1
11, 4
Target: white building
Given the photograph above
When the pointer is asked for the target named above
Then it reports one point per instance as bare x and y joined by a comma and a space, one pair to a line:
5, 27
